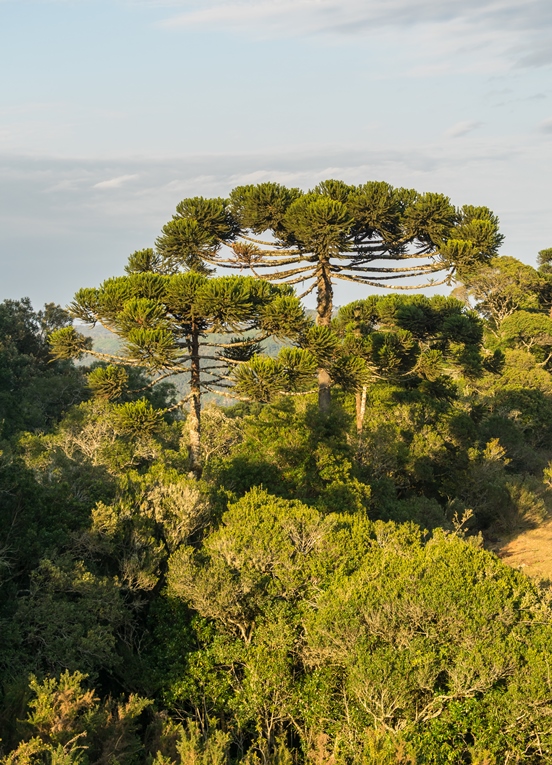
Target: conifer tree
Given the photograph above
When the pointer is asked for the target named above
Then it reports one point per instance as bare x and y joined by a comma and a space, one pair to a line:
409, 340
178, 324
413, 340
372, 234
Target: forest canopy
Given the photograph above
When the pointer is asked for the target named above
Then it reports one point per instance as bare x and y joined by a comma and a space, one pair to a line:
246, 533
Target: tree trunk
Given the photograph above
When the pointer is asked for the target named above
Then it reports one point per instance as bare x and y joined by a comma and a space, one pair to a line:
194, 417
324, 306
360, 410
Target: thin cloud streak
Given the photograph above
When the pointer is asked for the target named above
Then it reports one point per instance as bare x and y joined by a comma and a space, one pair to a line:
114, 183
463, 128
325, 15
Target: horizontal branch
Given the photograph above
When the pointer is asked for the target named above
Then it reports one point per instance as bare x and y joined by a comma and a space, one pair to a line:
112, 357
154, 382
282, 262
371, 283
241, 344
388, 270
178, 403
214, 358
388, 277
307, 292
226, 395
256, 241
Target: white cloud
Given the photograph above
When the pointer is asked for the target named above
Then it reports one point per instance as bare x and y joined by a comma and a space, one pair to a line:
518, 31
462, 128
114, 183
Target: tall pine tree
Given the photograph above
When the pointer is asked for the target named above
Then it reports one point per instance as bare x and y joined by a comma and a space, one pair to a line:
180, 324
372, 234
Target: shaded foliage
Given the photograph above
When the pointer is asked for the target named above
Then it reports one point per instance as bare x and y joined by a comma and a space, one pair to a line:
34, 390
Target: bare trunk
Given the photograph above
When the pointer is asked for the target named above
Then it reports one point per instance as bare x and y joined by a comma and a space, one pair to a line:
324, 305
360, 410
194, 418
324, 390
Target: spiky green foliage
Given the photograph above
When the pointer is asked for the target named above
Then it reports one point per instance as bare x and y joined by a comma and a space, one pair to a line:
195, 231
405, 337
108, 382
142, 261
264, 378
67, 343
349, 227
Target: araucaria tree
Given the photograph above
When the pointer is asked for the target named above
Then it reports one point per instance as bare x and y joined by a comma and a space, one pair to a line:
178, 324
372, 234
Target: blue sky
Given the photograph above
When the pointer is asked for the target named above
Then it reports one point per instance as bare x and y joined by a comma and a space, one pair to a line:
111, 111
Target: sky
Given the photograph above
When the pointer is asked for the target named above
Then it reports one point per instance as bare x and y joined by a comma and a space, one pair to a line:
112, 111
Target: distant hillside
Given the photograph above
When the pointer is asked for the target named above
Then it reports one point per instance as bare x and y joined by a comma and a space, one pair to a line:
103, 340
